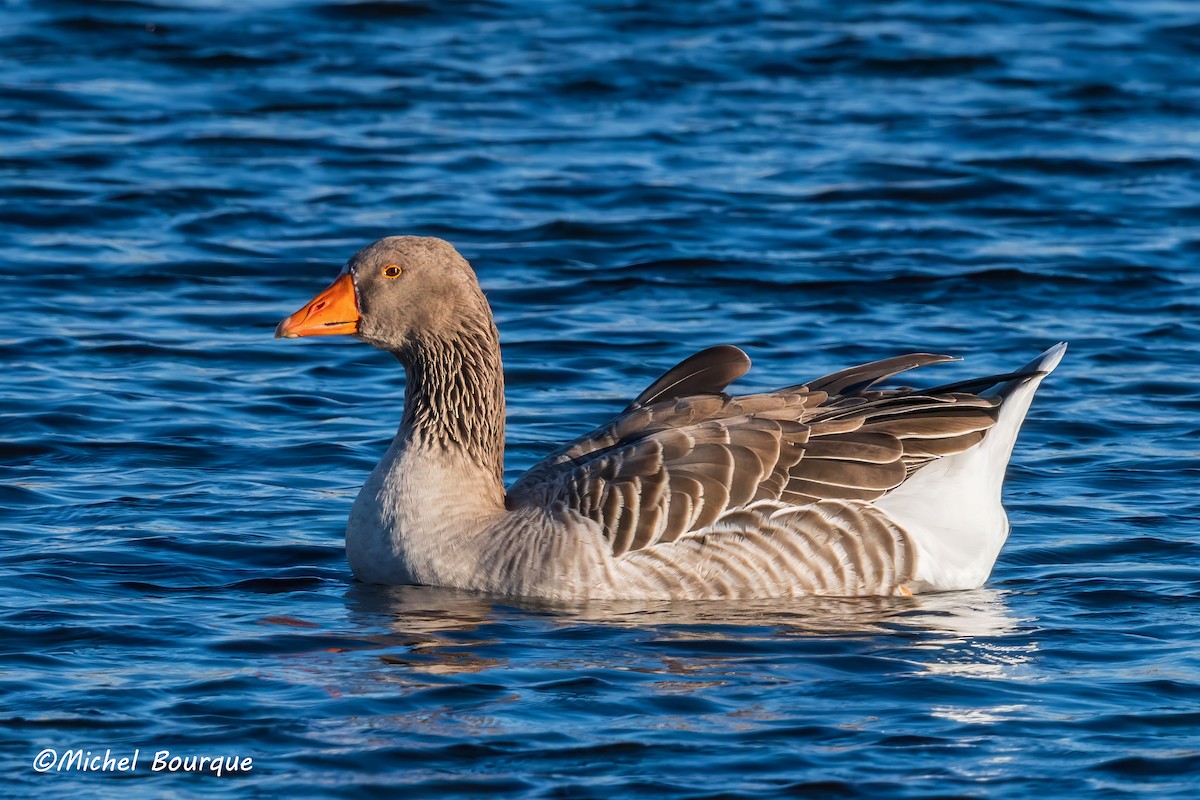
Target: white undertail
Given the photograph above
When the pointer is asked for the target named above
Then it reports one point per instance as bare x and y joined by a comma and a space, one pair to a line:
951, 508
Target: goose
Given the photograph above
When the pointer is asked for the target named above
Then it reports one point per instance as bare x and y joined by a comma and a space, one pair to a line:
831, 487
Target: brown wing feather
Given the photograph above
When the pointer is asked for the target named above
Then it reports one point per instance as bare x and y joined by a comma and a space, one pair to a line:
857, 379
706, 372
673, 465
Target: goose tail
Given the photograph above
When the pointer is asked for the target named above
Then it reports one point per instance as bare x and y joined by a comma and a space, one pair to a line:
951, 508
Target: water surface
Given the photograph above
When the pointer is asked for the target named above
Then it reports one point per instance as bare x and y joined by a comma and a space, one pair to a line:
822, 184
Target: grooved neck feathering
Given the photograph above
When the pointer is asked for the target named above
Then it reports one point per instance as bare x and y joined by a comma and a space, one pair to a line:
455, 394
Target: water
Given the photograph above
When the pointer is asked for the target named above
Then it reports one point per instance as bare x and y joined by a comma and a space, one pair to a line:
820, 183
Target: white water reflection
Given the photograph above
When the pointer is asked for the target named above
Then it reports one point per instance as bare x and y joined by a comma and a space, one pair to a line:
975, 638
965, 634
980, 716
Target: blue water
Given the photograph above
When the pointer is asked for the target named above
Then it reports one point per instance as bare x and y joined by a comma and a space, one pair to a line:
820, 183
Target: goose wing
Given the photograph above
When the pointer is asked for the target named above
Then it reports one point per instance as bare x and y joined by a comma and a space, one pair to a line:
684, 453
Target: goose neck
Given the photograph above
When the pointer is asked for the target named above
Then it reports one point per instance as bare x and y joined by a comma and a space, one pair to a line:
454, 401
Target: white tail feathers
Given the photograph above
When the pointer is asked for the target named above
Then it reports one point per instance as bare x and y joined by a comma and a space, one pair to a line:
1048, 360
951, 508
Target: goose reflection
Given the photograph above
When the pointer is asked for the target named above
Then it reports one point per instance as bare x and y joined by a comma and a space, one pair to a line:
443, 631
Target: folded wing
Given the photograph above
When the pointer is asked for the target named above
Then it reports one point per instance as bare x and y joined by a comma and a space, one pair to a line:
684, 454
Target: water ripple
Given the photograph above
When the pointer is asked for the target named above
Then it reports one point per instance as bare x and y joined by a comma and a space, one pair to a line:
820, 184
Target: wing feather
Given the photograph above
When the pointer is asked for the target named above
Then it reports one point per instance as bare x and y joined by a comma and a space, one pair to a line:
706, 372
856, 379
688, 494
684, 455
876, 448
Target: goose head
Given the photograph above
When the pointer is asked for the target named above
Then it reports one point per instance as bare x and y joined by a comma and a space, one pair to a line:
393, 293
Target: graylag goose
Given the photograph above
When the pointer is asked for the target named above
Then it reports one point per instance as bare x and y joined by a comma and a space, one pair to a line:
830, 487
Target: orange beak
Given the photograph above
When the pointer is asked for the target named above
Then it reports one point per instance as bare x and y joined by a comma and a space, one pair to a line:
334, 310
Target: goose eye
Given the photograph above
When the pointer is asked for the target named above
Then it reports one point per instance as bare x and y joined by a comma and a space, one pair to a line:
391, 271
